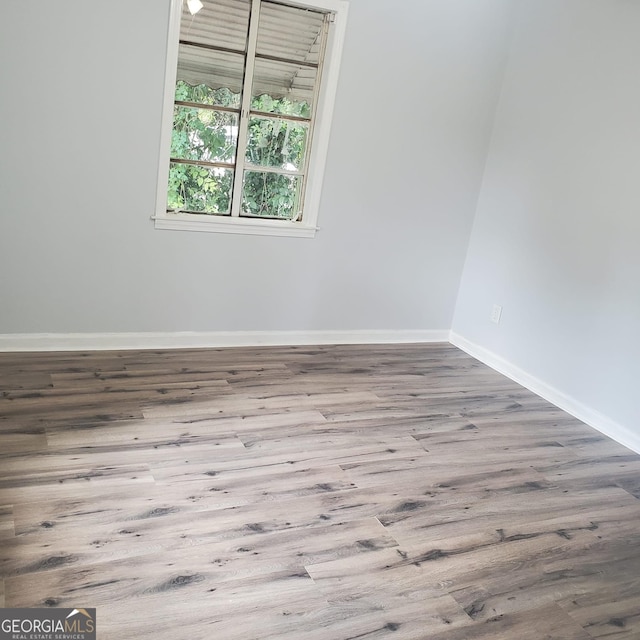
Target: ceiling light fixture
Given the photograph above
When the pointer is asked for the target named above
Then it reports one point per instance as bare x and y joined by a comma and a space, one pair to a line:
194, 6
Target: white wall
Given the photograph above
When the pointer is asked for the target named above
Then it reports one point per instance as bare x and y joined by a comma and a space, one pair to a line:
82, 85
556, 237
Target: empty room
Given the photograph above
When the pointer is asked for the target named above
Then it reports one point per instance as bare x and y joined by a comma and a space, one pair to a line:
319, 319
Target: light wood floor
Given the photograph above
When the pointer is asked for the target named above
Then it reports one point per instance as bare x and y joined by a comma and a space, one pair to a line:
325, 493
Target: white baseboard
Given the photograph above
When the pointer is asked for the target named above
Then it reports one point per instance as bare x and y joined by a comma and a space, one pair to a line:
215, 339
582, 412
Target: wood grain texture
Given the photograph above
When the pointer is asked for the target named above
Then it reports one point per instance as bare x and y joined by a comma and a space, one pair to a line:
311, 493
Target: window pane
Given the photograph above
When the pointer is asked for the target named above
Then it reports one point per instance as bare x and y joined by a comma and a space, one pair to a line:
213, 69
271, 195
202, 94
224, 23
280, 87
199, 189
274, 142
293, 33
203, 134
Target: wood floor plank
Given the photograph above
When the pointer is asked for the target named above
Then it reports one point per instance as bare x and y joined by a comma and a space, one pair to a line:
549, 622
605, 614
7, 523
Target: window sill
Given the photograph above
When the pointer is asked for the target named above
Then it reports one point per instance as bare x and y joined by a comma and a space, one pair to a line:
246, 226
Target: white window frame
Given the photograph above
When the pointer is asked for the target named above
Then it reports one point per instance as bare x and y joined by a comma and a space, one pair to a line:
306, 227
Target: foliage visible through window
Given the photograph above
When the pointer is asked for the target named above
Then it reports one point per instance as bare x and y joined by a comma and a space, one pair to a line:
243, 116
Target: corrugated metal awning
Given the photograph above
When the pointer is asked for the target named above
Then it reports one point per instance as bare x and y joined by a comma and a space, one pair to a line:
290, 34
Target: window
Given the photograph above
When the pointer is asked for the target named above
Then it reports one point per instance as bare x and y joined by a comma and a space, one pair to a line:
248, 99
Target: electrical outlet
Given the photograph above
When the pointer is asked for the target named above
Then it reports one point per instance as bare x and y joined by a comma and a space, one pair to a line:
496, 313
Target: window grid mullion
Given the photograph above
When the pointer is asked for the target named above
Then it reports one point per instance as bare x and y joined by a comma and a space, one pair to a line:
210, 107
268, 115
261, 168
243, 126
